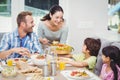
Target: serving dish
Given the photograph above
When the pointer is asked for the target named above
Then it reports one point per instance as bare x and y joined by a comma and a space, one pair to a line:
62, 48
38, 59
9, 71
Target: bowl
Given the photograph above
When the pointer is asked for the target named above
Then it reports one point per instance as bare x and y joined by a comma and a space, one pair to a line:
9, 71
36, 60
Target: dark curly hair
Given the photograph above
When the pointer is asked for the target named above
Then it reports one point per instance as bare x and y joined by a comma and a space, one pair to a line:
93, 45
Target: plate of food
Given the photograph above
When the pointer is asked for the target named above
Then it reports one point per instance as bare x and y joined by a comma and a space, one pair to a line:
9, 71
79, 74
62, 48
38, 59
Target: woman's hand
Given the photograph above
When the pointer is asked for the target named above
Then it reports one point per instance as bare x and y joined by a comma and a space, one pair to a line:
44, 41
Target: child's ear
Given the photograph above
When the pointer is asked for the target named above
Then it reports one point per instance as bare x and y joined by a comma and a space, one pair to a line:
87, 50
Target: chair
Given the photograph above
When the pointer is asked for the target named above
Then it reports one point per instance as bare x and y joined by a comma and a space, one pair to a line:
117, 44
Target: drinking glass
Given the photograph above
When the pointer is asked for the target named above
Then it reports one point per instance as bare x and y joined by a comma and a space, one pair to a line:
61, 65
9, 62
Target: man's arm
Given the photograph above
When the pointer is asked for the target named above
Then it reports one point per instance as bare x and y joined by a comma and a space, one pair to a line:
21, 51
5, 54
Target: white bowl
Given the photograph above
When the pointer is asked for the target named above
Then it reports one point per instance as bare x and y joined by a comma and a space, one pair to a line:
37, 61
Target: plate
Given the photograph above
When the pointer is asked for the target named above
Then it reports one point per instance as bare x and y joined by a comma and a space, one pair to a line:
81, 75
19, 59
37, 61
62, 48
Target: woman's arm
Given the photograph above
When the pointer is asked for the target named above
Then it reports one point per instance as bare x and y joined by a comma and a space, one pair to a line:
64, 35
40, 33
77, 63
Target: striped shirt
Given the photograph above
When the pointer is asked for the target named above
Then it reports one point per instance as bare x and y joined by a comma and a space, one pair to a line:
13, 40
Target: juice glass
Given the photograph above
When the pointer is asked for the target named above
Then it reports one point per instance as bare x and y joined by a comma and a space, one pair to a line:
9, 62
61, 65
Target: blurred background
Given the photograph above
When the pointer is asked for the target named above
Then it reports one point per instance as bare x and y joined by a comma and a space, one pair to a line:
85, 18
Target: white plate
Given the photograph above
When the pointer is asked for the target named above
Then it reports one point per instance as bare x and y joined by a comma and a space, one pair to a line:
79, 78
37, 61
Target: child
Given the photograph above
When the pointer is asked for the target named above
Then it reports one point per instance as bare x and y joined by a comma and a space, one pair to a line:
88, 57
111, 67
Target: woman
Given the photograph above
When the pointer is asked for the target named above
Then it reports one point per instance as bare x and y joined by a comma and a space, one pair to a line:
52, 27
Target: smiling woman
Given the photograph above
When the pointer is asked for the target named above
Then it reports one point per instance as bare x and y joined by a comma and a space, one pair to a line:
52, 27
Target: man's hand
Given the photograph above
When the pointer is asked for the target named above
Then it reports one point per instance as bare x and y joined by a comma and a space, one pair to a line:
22, 51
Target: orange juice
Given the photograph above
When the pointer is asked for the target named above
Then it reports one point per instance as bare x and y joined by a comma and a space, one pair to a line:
61, 65
9, 62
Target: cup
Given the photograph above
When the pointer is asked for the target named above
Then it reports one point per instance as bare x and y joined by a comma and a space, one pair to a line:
61, 65
9, 62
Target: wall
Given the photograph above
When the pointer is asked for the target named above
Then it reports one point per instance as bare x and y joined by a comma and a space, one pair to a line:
17, 7
85, 18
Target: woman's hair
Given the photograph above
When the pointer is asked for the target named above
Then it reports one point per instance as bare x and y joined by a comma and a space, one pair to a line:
113, 53
53, 10
93, 45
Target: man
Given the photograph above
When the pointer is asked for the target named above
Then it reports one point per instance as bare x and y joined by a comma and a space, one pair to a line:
21, 42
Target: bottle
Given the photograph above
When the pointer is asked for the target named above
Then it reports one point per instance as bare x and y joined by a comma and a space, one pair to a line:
45, 69
53, 68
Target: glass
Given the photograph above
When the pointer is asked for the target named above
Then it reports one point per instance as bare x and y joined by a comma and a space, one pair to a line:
9, 71
61, 65
9, 62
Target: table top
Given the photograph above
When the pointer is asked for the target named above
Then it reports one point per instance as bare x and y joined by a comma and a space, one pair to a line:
60, 75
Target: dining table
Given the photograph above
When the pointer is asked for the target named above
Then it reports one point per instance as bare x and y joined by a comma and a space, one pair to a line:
61, 75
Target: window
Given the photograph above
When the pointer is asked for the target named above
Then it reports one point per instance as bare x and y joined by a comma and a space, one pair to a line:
5, 7
39, 7
114, 15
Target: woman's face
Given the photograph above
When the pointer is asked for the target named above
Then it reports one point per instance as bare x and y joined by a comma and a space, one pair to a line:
57, 18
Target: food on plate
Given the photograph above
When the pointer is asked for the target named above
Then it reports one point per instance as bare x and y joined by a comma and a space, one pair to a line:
79, 74
40, 56
38, 59
24, 68
21, 65
20, 59
31, 69
23, 59
54, 43
37, 77
9, 72
61, 48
